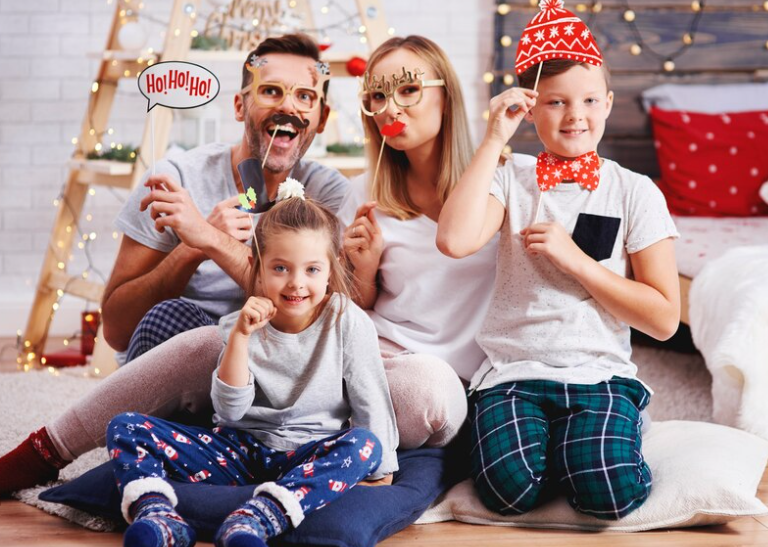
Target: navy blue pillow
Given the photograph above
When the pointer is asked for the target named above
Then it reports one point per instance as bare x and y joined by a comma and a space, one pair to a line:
361, 518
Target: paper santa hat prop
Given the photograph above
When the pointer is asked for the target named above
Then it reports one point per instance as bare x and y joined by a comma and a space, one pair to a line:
556, 33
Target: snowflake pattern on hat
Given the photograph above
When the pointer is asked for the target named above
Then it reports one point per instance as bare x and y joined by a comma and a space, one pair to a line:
556, 33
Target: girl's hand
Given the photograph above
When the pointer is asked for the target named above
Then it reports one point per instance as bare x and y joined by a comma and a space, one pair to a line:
503, 122
256, 313
363, 241
551, 240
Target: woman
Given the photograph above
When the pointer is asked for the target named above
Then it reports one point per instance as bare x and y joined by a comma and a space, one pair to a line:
426, 307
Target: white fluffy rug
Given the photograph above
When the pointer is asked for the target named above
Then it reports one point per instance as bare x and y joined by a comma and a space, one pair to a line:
680, 381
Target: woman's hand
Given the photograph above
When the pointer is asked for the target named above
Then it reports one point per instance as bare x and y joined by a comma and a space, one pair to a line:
363, 241
506, 111
256, 313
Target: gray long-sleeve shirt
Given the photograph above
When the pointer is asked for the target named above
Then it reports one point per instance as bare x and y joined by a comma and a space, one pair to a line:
306, 386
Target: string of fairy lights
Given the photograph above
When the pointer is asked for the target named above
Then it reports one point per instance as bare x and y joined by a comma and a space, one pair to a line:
498, 74
133, 12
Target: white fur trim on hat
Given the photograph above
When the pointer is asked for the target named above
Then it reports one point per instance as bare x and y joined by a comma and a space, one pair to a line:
286, 498
150, 485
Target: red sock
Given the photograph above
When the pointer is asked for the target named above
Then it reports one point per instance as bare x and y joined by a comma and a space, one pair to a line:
35, 461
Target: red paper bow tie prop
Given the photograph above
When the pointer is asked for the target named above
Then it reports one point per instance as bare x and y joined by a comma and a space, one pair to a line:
556, 33
551, 171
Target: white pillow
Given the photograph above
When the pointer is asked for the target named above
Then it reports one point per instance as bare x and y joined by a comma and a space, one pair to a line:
702, 474
708, 99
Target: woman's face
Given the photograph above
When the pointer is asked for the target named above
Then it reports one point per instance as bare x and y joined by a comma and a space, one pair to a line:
423, 121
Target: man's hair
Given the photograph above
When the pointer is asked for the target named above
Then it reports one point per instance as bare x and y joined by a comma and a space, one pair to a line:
293, 44
555, 67
455, 145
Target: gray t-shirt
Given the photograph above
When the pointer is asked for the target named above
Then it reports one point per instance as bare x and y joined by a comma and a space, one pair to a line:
206, 173
542, 323
306, 386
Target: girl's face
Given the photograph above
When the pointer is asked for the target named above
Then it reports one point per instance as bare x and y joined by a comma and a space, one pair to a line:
295, 277
422, 121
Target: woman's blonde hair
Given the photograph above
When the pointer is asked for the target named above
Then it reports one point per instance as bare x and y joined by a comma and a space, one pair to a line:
456, 148
295, 215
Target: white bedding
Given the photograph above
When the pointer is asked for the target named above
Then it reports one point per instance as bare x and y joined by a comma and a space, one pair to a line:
704, 239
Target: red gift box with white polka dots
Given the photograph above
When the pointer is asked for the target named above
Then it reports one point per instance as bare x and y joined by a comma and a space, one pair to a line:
712, 164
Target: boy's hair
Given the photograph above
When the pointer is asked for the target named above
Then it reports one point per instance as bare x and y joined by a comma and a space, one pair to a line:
294, 215
554, 67
454, 139
293, 44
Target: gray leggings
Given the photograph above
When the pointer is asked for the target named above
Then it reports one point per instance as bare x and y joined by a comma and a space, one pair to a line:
175, 377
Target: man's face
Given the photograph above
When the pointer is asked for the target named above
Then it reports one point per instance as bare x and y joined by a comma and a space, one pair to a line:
291, 143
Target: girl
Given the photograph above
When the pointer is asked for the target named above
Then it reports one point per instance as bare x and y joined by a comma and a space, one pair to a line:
301, 362
427, 308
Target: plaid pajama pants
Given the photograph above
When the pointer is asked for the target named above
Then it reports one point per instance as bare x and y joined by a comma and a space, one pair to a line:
315, 474
533, 438
164, 321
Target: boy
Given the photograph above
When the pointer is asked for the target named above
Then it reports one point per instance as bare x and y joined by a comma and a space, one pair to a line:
558, 403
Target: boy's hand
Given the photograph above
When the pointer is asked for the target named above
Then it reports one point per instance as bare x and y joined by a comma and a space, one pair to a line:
255, 314
363, 241
503, 122
551, 240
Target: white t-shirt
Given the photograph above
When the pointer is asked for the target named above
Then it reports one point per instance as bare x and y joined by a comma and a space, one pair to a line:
427, 303
542, 324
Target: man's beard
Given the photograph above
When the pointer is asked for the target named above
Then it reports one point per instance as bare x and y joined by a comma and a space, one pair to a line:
258, 145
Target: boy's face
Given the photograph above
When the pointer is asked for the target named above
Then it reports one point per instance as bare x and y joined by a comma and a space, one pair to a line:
571, 110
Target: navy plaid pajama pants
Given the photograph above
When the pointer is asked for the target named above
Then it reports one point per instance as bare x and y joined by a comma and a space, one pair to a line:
531, 439
164, 321
315, 474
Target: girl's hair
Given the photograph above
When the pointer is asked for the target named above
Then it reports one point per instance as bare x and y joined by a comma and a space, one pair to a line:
456, 147
554, 67
294, 215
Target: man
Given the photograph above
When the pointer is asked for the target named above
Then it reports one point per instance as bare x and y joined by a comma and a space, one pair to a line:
169, 281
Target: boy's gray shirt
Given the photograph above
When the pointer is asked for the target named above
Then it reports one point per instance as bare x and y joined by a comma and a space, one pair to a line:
307, 386
206, 173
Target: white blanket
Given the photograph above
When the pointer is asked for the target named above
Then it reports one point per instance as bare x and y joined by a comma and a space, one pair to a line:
729, 325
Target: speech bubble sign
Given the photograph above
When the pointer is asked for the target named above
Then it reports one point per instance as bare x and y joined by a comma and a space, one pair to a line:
178, 84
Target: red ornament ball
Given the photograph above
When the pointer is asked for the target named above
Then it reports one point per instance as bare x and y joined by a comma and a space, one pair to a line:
356, 66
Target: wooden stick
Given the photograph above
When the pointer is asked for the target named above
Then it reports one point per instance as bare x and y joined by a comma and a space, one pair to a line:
264, 161
538, 74
538, 207
378, 162
152, 131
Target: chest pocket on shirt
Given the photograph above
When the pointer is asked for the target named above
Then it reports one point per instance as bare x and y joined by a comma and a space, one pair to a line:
596, 235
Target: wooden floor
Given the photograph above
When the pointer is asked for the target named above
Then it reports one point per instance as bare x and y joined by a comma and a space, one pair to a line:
23, 525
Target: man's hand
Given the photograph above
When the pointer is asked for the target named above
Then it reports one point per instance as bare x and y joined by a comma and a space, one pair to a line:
171, 206
227, 218
551, 240
383, 481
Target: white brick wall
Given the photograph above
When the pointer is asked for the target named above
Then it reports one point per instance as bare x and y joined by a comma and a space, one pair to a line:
45, 77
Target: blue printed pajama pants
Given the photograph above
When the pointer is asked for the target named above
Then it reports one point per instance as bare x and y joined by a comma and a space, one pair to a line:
533, 438
315, 474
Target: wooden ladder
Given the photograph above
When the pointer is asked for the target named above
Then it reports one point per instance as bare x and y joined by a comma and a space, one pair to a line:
54, 280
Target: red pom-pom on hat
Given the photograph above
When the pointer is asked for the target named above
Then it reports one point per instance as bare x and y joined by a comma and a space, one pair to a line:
556, 33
